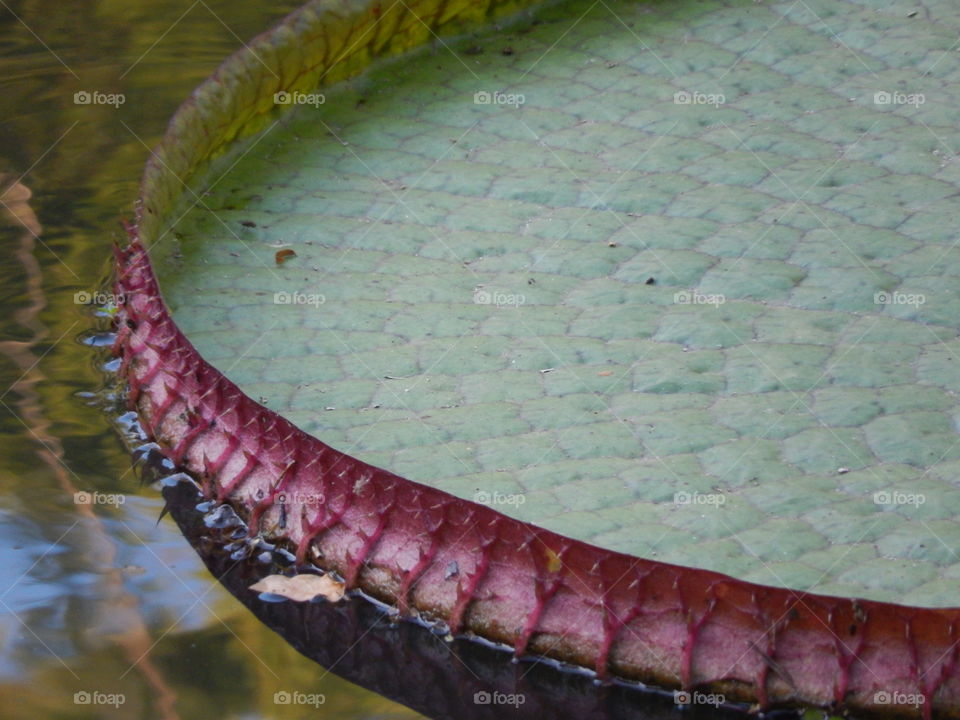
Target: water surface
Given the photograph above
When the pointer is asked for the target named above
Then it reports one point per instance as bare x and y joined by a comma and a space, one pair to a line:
104, 612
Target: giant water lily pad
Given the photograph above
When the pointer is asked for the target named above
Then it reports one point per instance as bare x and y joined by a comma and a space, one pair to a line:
675, 278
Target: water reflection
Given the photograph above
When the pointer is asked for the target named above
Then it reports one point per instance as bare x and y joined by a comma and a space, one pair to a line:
461, 680
97, 600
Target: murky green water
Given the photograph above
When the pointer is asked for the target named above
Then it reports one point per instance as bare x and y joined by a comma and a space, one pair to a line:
103, 611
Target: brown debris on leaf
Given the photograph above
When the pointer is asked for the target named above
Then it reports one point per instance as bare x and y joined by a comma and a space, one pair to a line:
283, 255
301, 588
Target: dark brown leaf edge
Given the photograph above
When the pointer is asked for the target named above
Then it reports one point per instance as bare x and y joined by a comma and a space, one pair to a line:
449, 560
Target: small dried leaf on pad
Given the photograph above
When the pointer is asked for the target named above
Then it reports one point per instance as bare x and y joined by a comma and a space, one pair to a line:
301, 588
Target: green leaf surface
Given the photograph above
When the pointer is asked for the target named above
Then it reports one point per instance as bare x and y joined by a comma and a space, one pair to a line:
678, 279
